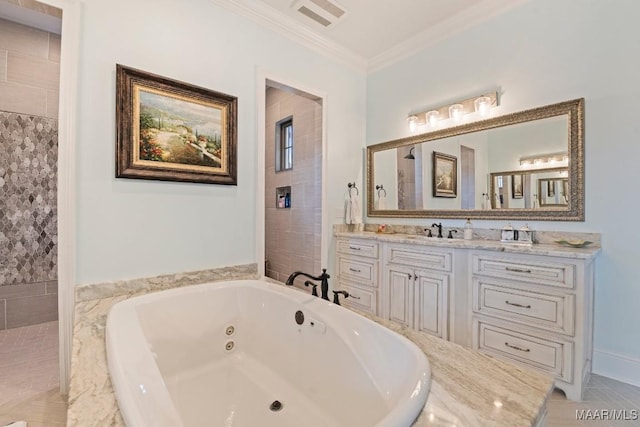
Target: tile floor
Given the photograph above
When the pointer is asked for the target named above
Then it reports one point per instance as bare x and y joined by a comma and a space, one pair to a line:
29, 385
602, 393
29, 379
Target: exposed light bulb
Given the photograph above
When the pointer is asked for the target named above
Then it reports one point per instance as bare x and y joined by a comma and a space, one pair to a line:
483, 105
456, 112
413, 123
431, 117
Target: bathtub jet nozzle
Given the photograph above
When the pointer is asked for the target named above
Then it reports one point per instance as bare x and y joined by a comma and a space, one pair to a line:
322, 278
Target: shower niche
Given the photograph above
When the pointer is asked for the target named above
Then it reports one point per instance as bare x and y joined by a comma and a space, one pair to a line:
283, 197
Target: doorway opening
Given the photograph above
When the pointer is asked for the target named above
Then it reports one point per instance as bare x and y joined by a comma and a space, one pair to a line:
468, 177
293, 181
29, 167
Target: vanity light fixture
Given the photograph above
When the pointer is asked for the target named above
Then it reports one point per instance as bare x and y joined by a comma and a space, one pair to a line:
552, 159
482, 105
432, 117
413, 123
479, 106
456, 111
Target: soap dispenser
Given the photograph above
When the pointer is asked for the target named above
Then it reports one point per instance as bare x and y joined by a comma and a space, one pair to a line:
507, 233
526, 235
468, 230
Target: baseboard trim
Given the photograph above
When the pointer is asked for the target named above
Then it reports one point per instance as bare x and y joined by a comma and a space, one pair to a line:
617, 366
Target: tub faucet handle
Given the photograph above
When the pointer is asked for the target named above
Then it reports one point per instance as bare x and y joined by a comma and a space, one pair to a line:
314, 287
336, 296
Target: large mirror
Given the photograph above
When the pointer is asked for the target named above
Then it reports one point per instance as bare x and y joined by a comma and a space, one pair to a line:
526, 165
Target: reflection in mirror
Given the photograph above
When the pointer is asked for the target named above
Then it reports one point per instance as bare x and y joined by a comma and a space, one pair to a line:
532, 189
547, 138
553, 192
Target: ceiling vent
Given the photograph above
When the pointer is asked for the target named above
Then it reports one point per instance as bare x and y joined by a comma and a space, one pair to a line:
324, 12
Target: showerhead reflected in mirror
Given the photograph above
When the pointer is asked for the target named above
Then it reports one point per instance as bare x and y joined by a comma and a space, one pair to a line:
410, 156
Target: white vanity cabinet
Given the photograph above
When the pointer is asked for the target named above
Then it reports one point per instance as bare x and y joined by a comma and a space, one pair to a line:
530, 306
415, 291
357, 271
536, 311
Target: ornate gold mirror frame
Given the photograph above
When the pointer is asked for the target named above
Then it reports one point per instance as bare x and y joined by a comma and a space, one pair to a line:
573, 211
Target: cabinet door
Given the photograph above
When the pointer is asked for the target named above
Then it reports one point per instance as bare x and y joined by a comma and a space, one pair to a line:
400, 295
431, 303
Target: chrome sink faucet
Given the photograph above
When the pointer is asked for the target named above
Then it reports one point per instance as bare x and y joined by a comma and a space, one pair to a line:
322, 278
439, 226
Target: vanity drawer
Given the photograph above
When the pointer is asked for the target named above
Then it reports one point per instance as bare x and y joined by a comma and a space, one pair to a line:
362, 248
420, 256
360, 271
550, 354
542, 273
359, 298
553, 311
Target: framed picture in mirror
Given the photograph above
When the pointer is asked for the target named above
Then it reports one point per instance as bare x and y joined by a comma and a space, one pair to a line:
445, 174
516, 186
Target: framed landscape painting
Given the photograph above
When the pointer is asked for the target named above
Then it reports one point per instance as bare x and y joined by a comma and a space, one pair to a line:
173, 131
445, 175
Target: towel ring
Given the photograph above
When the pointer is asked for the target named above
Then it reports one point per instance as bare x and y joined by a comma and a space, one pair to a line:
380, 188
351, 186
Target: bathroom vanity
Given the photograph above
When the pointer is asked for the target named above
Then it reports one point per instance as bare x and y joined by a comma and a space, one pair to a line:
532, 306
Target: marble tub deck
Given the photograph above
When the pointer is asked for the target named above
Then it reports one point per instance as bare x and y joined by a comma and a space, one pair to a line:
467, 389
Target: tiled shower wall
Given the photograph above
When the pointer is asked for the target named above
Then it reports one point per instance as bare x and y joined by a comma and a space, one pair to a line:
29, 80
292, 240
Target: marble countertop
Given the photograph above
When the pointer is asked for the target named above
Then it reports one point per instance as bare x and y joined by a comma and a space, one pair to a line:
546, 249
467, 389
473, 390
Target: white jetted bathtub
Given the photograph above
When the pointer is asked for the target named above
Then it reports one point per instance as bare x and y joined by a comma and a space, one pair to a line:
249, 353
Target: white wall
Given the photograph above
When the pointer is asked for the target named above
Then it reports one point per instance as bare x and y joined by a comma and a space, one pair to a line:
135, 228
544, 52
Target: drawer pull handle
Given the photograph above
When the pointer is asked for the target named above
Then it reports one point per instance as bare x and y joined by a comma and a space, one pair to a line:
353, 296
515, 304
518, 270
526, 350
355, 248
355, 270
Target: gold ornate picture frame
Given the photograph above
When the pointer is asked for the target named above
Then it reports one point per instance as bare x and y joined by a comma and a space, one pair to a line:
445, 175
173, 131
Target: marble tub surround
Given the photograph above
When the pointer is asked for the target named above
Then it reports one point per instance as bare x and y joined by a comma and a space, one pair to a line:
492, 234
465, 384
471, 389
167, 281
91, 398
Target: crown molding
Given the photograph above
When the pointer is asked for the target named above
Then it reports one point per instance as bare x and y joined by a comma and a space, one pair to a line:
467, 18
30, 17
282, 24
